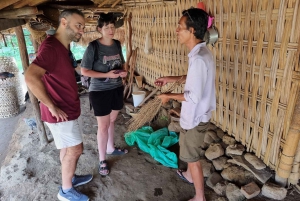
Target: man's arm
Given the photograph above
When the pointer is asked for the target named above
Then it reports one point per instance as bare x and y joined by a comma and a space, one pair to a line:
169, 79
166, 97
33, 79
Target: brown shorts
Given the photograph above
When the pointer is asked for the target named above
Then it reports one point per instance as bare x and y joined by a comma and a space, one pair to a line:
190, 142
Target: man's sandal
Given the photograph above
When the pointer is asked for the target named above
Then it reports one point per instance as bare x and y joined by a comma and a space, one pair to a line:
104, 171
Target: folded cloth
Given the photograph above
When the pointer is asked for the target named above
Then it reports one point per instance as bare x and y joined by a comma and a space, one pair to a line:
155, 143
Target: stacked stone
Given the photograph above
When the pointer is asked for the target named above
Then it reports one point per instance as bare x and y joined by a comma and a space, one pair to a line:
231, 172
237, 175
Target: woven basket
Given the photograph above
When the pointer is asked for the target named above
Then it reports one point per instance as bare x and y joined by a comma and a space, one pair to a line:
9, 106
8, 64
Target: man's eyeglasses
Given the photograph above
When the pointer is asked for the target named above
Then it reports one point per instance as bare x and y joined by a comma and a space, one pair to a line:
73, 60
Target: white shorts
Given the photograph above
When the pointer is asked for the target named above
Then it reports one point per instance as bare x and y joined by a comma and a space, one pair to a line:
66, 134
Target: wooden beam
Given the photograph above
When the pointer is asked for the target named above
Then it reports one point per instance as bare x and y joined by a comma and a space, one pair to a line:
10, 23
37, 2
23, 3
34, 101
13, 14
93, 8
5, 3
118, 1
103, 3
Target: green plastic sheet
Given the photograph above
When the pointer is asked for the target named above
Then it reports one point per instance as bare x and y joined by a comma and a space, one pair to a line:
155, 143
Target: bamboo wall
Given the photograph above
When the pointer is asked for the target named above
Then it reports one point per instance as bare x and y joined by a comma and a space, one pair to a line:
257, 60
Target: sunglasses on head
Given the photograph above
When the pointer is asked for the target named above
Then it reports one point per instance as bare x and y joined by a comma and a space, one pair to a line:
187, 12
73, 60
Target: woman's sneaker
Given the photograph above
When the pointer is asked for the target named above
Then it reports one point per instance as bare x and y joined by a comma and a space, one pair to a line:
71, 195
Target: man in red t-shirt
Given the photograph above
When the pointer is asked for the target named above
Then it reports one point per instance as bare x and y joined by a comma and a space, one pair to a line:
51, 79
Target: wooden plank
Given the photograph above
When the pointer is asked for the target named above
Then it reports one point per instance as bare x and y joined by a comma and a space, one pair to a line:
262, 175
93, 8
15, 13
103, 3
23, 3
10, 23
5, 3
37, 2
25, 62
118, 1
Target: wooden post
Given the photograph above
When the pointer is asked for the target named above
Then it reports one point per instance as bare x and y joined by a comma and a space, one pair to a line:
34, 101
291, 143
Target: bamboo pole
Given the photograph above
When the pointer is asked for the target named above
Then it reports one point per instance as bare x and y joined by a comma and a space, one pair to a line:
290, 146
25, 62
3, 37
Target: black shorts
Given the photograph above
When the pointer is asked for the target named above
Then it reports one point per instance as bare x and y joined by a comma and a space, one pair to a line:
103, 102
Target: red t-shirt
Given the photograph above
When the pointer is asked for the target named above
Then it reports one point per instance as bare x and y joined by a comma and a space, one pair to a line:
59, 79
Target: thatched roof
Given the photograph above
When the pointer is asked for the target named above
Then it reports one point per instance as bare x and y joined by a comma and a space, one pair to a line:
41, 13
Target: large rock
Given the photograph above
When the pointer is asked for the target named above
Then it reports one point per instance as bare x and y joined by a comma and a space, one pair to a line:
256, 162
221, 199
214, 151
213, 179
176, 104
212, 126
207, 167
220, 188
238, 175
207, 138
219, 163
213, 135
174, 126
274, 191
236, 149
233, 193
261, 175
220, 133
250, 190
228, 140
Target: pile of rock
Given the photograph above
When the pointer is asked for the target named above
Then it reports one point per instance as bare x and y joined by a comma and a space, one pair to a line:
233, 173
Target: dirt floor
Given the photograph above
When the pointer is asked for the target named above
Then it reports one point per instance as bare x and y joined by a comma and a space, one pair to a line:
32, 173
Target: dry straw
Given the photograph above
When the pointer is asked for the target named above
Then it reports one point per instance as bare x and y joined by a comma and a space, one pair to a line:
149, 110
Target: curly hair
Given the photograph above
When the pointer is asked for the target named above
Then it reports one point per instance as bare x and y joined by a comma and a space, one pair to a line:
106, 19
197, 19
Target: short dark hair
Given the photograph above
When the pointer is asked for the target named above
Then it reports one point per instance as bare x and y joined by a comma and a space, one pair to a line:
105, 19
68, 12
197, 19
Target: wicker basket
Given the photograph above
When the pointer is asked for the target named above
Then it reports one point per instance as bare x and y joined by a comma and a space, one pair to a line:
8, 64
9, 106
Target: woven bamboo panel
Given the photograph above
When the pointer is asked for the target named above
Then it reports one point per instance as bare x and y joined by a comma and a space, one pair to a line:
257, 59
257, 74
91, 34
